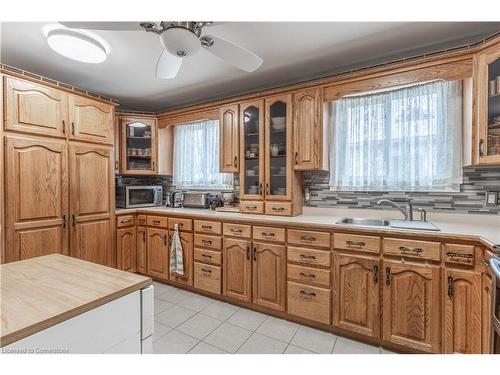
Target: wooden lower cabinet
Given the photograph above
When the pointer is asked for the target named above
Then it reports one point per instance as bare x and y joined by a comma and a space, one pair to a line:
486, 295
141, 257
237, 269
92, 241
462, 312
411, 305
187, 255
126, 249
207, 277
269, 262
157, 253
309, 302
356, 294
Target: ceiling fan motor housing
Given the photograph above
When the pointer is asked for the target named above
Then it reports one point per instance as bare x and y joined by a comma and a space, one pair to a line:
180, 40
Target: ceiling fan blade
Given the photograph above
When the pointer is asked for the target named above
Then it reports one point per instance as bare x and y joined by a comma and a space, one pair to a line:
233, 54
117, 26
168, 65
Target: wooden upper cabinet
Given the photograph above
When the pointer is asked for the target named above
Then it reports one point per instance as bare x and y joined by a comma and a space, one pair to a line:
92, 204
36, 196
157, 252
229, 138
90, 120
126, 249
187, 258
237, 269
356, 305
269, 276
138, 146
35, 109
411, 305
308, 130
462, 312
486, 104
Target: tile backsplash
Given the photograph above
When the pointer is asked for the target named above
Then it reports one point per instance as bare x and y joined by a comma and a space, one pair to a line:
470, 198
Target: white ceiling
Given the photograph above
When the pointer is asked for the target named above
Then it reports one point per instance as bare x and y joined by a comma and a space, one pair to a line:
292, 51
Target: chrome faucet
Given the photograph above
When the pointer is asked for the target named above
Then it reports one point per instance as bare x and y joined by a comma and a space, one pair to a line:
406, 211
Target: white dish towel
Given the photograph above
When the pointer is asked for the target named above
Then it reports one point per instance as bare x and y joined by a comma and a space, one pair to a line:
176, 257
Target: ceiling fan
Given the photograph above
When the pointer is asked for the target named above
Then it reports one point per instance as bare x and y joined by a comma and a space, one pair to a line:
181, 40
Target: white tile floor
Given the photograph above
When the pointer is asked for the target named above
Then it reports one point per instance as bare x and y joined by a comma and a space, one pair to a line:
189, 323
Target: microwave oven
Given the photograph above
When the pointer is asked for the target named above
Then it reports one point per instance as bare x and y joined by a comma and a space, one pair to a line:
138, 196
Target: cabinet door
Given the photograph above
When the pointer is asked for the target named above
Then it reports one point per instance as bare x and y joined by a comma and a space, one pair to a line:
252, 150
157, 252
308, 129
237, 269
126, 249
187, 258
229, 138
92, 204
462, 312
269, 276
278, 146
487, 284
487, 105
138, 146
411, 305
36, 196
141, 258
91, 121
356, 305
36, 109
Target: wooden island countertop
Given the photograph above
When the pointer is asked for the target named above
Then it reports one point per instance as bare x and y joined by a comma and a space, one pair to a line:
40, 292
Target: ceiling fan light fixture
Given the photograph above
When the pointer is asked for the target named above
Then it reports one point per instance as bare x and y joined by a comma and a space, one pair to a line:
76, 46
180, 41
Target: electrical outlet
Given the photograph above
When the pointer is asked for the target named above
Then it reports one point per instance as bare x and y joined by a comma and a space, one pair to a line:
491, 198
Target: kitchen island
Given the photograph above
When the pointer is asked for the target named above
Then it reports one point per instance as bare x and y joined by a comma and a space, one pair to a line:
59, 304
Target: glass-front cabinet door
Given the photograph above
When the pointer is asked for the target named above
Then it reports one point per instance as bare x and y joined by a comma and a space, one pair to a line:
138, 146
278, 141
488, 83
252, 150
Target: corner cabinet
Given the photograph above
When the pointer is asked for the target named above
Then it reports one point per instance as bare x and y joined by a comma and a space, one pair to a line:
229, 139
487, 105
268, 182
138, 146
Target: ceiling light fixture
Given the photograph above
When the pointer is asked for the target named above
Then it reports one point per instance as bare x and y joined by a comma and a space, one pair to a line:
76, 46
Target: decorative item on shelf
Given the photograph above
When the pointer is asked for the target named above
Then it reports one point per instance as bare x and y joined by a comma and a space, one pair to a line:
493, 87
147, 133
497, 80
278, 123
254, 190
275, 149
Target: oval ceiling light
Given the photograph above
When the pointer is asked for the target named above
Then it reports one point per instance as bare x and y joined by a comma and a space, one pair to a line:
76, 46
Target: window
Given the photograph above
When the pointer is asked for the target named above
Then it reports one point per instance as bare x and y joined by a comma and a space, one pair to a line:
409, 139
196, 157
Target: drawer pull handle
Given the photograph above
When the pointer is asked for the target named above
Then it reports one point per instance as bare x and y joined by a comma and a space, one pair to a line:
206, 256
307, 238
308, 294
206, 226
309, 275
278, 208
309, 257
357, 244
388, 276
405, 249
248, 252
251, 207
267, 234
457, 255
126, 220
206, 242
450, 286
236, 230
206, 271
156, 221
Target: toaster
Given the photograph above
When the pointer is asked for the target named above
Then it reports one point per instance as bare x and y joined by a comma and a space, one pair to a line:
196, 199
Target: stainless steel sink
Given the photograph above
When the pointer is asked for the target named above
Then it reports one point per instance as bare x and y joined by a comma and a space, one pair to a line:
364, 222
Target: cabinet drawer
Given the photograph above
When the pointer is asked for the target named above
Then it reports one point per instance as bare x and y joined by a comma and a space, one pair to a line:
207, 278
412, 249
279, 208
302, 237
309, 256
157, 221
207, 256
125, 221
237, 230
309, 302
309, 275
141, 220
356, 242
184, 224
459, 254
269, 234
210, 242
252, 207
210, 227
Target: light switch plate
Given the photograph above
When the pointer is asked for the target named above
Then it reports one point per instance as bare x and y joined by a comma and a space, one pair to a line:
491, 198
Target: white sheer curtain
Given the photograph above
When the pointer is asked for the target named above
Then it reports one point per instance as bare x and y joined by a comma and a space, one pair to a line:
403, 139
196, 157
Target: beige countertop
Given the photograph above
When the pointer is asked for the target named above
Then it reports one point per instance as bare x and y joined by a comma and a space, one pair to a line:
484, 228
38, 293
